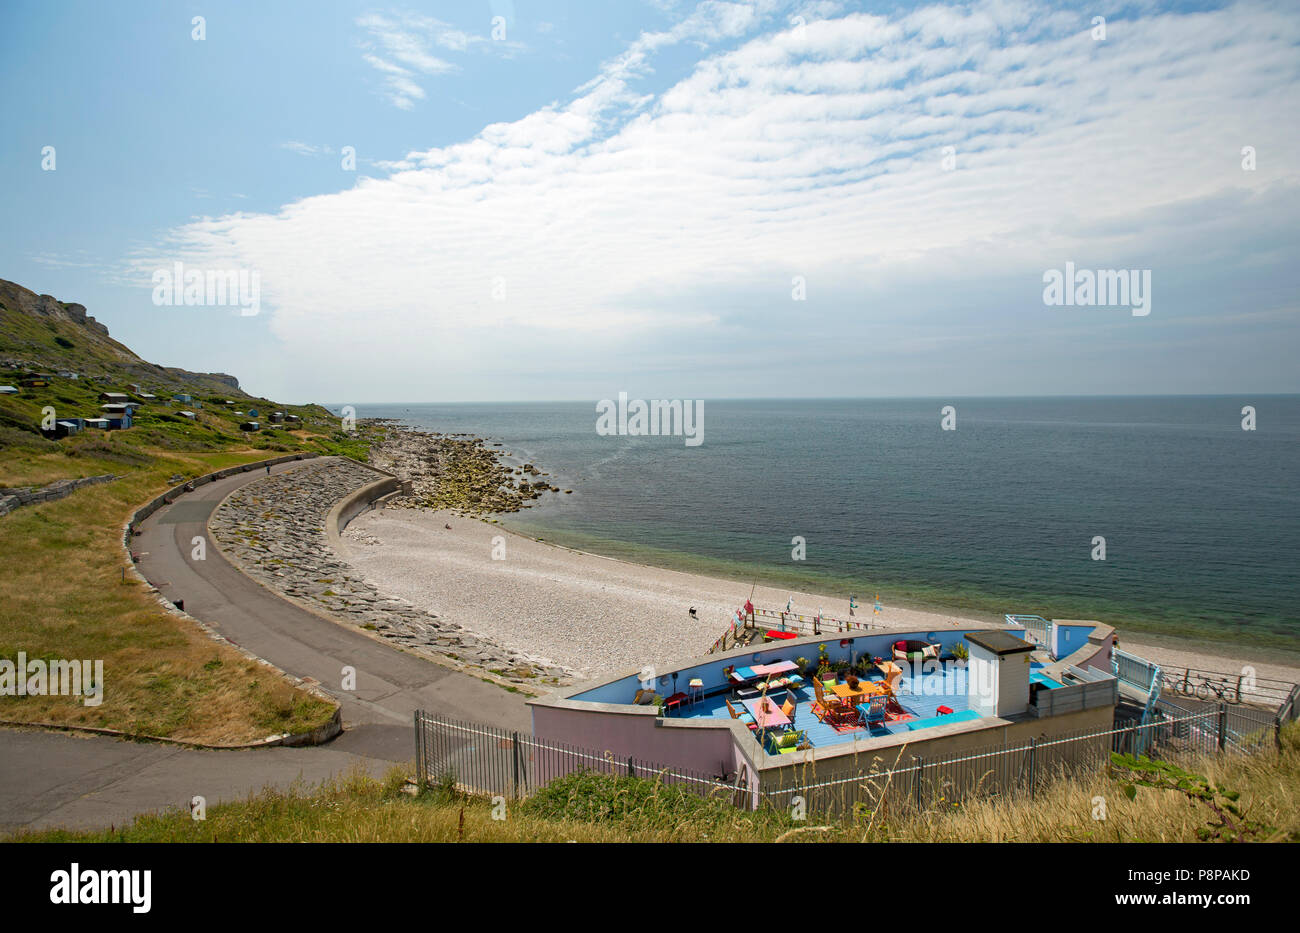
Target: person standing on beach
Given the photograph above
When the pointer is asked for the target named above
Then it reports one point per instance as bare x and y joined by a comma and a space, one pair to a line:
691, 613
853, 604
268, 469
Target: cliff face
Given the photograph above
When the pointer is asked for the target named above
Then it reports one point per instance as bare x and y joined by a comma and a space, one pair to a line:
13, 295
40, 332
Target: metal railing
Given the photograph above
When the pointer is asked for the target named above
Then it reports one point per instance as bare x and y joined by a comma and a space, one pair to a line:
911, 782
1037, 629
1135, 671
1245, 729
493, 762
1242, 687
807, 625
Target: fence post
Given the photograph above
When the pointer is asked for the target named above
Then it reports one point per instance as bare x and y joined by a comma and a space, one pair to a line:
514, 768
421, 774
1277, 732
1033, 750
920, 770
1223, 726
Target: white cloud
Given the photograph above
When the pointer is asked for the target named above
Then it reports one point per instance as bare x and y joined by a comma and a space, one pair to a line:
401, 48
623, 223
306, 149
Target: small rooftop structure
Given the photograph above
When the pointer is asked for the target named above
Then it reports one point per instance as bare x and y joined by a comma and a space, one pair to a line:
1000, 643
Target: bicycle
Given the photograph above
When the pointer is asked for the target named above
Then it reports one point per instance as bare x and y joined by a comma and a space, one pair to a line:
1222, 689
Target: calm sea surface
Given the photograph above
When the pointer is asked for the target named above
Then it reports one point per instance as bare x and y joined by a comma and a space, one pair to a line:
1201, 519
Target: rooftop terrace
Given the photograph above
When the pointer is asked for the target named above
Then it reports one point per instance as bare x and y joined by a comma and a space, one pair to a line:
920, 693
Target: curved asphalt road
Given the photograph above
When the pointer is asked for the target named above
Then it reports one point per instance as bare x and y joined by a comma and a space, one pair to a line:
63, 780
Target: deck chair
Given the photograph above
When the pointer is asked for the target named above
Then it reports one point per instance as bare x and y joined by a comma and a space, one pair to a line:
788, 708
873, 712
742, 715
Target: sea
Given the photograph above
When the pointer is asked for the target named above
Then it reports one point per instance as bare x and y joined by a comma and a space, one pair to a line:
1163, 516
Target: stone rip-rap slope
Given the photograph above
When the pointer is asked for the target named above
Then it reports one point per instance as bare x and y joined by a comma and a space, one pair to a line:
274, 528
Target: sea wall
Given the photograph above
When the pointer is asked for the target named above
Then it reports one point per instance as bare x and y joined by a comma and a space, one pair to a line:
282, 530
11, 499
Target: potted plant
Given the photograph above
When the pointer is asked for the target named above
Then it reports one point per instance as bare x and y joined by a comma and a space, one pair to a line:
804, 665
960, 651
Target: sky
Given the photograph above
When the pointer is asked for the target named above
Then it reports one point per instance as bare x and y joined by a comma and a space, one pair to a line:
491, 201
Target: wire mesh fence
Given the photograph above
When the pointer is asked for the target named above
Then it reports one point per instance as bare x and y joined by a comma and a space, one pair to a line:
498, 762
904, 781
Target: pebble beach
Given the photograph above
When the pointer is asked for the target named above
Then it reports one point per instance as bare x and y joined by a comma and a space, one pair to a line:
598, 615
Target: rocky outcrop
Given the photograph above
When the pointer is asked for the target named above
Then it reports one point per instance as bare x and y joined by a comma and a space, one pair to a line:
14, 296
186, 376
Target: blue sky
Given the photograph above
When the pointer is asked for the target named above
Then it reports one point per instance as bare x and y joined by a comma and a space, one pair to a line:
626, 197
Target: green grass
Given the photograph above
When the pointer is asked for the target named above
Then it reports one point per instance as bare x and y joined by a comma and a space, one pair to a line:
65, 595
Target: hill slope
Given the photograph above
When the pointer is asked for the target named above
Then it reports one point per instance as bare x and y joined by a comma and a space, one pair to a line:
41, 333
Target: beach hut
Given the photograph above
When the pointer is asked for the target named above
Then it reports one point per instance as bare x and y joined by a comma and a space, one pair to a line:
250, 426
99, 423
65, 428
119, 422
8, 390
186, 414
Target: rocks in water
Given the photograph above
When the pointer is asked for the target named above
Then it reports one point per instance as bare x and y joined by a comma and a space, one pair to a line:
460, 472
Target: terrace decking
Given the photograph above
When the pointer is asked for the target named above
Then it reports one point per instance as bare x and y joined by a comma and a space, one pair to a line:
920, 695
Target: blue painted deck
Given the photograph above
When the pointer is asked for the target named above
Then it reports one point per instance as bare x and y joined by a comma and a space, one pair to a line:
918, 695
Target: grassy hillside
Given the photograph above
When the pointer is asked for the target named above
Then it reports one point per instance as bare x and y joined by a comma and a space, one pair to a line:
65, 595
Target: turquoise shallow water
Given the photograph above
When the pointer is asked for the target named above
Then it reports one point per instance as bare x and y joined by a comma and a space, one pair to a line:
1201, 519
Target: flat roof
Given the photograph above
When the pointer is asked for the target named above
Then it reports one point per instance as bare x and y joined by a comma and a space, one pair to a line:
999, 643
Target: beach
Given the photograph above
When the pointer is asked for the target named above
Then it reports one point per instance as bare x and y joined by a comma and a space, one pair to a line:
598, 615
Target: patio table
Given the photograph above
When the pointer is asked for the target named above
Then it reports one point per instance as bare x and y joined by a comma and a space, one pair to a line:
780, 667
773, 717
866, 688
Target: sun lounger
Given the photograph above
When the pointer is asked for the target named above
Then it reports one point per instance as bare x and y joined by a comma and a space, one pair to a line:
965, 715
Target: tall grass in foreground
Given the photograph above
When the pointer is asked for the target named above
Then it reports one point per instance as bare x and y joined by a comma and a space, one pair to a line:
598, 808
